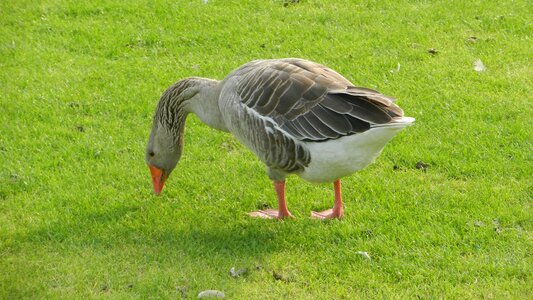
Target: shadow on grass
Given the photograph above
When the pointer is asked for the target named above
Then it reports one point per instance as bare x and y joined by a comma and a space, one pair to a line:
124, 227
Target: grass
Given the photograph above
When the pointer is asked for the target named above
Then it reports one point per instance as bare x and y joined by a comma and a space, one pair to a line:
79, 82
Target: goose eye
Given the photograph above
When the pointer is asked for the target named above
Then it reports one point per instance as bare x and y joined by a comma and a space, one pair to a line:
151, 153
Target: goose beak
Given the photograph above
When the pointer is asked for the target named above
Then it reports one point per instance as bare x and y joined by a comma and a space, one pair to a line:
158, 179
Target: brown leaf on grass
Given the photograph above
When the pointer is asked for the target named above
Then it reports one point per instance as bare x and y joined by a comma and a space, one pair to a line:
497, 227
182, 290
281, 276
263, 205
422, 165
433, 51
471, 39
288, 2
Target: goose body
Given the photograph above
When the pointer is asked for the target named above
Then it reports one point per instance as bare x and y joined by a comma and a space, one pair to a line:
297, 116
344, 156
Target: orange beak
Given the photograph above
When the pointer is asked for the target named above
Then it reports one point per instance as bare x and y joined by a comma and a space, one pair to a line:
158, 179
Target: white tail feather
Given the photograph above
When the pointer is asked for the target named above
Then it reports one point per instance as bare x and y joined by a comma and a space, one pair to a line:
397, 122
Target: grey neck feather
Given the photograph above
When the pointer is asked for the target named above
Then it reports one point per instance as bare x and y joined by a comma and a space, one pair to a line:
194, 94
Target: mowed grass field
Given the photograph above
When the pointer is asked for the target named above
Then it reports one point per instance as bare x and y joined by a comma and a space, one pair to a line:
445, 212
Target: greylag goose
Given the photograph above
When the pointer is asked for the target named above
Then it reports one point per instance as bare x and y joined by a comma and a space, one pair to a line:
297, 116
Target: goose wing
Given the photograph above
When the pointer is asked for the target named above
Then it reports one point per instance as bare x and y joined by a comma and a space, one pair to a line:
310, 101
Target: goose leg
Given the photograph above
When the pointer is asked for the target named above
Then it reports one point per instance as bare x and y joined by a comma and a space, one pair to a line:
337, 211
282, 212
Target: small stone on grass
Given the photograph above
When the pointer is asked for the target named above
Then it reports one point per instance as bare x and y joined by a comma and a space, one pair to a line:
237, 272
211, 294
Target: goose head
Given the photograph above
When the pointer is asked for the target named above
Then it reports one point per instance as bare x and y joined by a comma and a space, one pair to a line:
165, 143
162, 154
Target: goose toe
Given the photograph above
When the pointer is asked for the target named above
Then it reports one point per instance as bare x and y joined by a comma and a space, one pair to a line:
327, 214
270, 214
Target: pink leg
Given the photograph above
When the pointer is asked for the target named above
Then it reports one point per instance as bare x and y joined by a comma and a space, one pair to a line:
337, 211
282, 212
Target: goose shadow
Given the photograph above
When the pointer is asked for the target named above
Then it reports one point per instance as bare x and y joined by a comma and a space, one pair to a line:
108, 230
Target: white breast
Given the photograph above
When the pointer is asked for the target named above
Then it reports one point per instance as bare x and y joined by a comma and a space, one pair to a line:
334, 159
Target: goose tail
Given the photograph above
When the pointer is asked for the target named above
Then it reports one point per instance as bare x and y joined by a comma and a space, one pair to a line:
396, 122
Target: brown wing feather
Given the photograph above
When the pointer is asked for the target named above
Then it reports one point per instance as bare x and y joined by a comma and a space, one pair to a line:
310, 101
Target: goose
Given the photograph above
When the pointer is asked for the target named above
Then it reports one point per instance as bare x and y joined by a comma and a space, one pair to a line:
297, 116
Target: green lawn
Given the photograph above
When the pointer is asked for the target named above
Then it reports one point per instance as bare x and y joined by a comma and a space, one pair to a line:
79, 81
